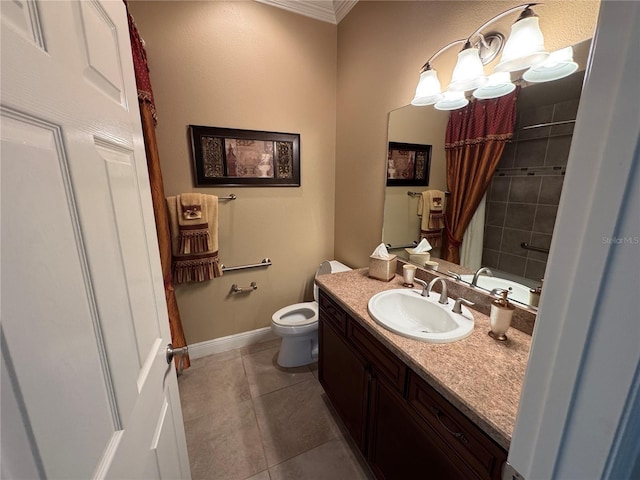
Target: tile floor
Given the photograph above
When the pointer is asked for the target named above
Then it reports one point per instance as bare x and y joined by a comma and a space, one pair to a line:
246, 418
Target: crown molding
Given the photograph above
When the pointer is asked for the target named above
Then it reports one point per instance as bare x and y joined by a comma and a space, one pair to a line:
323, 10
342, 7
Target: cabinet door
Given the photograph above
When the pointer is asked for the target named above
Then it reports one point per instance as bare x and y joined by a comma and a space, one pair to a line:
472, 446
400, 447
343, 376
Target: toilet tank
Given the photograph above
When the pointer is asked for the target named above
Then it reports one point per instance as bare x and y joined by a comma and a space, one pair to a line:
328, 266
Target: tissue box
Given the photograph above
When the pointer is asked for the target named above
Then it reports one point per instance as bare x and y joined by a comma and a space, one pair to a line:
382, 268
419, 258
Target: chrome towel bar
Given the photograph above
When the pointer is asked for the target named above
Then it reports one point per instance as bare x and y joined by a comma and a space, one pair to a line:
236, 289
264, 263
231, 196
526, 246
549, 124
393, 247
417, 194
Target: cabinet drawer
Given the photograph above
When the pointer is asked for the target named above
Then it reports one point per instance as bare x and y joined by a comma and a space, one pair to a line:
473, 446
333, 313
384, 362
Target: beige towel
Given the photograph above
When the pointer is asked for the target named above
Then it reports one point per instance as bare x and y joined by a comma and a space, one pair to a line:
193, 221
193, 224
430, 208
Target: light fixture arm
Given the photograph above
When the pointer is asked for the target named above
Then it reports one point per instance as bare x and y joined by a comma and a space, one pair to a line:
499, 16
427, 64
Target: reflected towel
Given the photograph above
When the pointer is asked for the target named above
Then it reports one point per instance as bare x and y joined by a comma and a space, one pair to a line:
430, 208
193, 221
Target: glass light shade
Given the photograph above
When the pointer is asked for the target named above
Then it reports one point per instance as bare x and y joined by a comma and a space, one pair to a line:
524, 48
499, 84
452, 100
428, 90
560, 64
468, 72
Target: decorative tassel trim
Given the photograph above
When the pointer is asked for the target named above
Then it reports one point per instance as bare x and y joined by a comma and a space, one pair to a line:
196, 268
436, 220
193, 239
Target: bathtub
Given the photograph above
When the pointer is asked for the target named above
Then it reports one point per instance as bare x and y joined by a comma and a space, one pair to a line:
517, 291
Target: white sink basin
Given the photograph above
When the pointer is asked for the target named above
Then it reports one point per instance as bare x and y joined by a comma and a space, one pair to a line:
517, 291
407, 313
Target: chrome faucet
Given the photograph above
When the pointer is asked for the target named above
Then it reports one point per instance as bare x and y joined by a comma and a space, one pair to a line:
480, 271
426, 288
444, 299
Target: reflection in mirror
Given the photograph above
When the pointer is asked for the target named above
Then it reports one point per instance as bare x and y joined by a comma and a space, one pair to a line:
512, 229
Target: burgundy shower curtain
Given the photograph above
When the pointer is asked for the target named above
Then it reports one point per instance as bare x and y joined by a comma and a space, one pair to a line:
149, 119
475, 139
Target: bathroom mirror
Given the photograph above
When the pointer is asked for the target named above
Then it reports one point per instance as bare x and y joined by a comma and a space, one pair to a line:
522, 200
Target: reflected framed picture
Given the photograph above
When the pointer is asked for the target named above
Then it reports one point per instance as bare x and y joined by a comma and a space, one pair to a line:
408, 164
233, 157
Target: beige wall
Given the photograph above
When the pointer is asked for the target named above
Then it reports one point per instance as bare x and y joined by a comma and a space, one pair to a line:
249, 66
412, 125
381, 47
242, 64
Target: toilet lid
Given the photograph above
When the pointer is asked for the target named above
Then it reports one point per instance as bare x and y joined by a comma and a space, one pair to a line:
298, 314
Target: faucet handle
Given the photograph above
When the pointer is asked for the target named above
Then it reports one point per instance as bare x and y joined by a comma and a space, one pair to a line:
454, 275
424, 286
457, 307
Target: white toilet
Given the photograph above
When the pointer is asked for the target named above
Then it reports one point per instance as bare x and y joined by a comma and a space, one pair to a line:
297, 324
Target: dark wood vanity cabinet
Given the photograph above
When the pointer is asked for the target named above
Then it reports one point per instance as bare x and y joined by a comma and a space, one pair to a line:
345, 380
403, 427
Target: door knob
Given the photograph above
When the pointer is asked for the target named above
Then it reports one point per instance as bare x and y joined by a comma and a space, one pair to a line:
172, 352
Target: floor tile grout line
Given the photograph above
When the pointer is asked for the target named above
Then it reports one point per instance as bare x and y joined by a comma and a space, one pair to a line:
338, 435
281, 388
255, 417
338, 439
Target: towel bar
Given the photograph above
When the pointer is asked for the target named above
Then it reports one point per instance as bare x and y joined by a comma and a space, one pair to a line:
232, 196
417, 194
264, 263
236, 289
393, 247
549, 124
526, 246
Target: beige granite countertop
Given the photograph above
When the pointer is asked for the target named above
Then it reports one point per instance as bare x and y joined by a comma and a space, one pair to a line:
480, 376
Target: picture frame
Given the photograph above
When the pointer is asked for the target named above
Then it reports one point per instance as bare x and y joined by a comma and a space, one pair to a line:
408, 164
234, 157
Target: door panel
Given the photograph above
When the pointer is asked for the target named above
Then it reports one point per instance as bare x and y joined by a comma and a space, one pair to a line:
23, 17
100, 45
52, 341
84, 318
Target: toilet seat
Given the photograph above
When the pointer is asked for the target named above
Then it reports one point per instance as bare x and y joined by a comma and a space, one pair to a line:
297, 318
297, 324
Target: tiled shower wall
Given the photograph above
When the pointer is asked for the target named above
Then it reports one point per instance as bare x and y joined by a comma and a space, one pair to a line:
522, 200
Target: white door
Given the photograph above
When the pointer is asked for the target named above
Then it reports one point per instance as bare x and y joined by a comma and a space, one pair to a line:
86, 388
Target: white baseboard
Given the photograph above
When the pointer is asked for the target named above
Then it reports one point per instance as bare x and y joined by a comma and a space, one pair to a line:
223, 344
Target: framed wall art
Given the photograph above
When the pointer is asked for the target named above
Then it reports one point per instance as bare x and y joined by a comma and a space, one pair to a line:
233, 157
408, 164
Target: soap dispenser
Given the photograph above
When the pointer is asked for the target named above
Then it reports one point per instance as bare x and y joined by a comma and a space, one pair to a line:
500, 317
534, 295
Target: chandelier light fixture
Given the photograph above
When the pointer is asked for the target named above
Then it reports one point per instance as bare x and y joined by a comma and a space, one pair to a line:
524, 49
